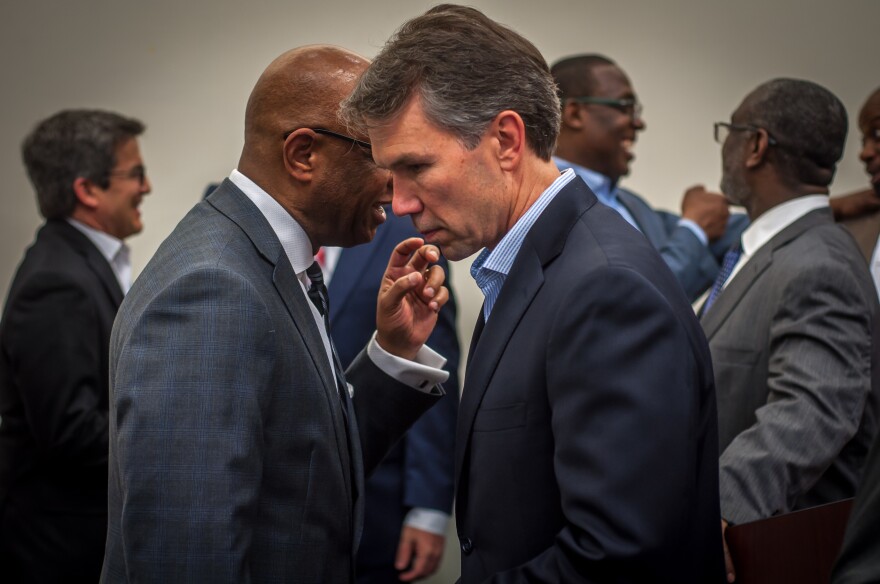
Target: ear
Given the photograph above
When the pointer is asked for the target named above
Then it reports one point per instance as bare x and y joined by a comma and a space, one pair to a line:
510, 132
573, 114
760, 143
84, 189
299, 154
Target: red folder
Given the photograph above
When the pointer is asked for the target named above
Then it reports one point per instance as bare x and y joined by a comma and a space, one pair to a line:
798, 547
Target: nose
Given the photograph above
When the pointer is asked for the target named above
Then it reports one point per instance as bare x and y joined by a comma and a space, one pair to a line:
404, 201
638, 122
146, 186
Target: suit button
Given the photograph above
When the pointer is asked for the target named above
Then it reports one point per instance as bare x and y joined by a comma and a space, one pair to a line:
467, 546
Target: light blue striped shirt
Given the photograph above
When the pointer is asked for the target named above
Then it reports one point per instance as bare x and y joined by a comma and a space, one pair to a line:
491, 267
606, 192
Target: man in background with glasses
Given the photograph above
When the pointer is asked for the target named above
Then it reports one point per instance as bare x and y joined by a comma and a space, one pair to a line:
89, 179
792, 317
601, 118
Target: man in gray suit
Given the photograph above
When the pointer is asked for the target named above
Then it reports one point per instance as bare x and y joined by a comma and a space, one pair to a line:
792, 317
238, 446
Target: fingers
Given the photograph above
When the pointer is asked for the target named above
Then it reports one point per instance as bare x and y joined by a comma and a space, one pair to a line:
420, 551
423, 257
404, 250
728, 561
405, 551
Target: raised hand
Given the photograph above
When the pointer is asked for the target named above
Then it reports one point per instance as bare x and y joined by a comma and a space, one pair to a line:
410, 296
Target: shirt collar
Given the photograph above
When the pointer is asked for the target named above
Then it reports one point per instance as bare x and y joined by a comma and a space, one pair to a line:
501, 258
108, 245
765, 227
604, 187
292, 236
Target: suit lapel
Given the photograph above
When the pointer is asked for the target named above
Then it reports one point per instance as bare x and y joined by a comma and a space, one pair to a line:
739, 286
542, 244
230, 201
647, 226
97, 263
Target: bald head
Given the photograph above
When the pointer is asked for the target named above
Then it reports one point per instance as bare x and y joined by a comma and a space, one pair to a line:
302, 88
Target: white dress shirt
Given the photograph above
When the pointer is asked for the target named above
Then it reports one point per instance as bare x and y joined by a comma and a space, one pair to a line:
765, 227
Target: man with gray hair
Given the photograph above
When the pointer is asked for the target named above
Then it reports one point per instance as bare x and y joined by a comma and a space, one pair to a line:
586, 439
792, 318
87, 171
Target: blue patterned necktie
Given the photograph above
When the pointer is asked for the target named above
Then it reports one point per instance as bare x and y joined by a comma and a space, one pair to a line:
727, 265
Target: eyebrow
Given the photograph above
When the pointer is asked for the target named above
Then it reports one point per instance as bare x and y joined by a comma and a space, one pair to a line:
408, 159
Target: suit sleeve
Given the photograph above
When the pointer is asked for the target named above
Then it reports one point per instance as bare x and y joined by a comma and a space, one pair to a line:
58, 361
625, 391
693, 264
820, 332
191, 384
429, 463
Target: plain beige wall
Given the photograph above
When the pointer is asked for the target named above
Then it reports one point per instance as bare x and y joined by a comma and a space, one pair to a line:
186, 69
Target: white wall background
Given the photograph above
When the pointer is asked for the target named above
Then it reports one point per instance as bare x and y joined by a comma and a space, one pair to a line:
186, 68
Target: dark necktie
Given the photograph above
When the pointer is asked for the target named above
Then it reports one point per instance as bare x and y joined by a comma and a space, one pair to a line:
727, 265
318, 296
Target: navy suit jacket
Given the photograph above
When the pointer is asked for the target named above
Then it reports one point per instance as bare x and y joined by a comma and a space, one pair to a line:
418, 472
695, 265
586, 445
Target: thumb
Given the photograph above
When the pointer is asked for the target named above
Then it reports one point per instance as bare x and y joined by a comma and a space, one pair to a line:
404, 552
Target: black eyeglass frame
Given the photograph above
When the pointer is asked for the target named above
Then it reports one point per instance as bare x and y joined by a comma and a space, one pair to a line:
626, 105
138, 173
741, 128
333, 134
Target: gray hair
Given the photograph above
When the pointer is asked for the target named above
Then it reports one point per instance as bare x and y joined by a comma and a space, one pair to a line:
69, 145
808, 122
466, 68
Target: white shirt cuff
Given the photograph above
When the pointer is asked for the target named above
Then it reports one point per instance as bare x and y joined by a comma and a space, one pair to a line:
423, 373
695, 229
427, 520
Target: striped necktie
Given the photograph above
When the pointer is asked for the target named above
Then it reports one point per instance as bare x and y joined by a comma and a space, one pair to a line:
727, 264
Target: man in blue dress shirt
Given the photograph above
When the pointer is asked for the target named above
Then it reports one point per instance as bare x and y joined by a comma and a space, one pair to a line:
601, 118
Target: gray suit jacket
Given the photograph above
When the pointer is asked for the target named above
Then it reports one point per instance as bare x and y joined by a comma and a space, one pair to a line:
231, 459
796, 371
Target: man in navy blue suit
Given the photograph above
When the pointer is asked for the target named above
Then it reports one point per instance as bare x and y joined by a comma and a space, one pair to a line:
409, 496
586, 444
601, 119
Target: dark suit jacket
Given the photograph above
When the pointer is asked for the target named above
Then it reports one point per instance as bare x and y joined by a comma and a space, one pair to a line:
418, 472
694, 264
54, 338
231, 459
585, 448
797, 371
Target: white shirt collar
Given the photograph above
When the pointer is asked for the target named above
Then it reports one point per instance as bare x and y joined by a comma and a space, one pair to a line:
292, 236
765, 227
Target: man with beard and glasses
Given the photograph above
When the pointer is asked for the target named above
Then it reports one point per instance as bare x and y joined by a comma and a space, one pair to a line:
792, 317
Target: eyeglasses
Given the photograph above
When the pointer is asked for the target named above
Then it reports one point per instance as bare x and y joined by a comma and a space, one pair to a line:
723, 130
628, 105
333, 134
138, 173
